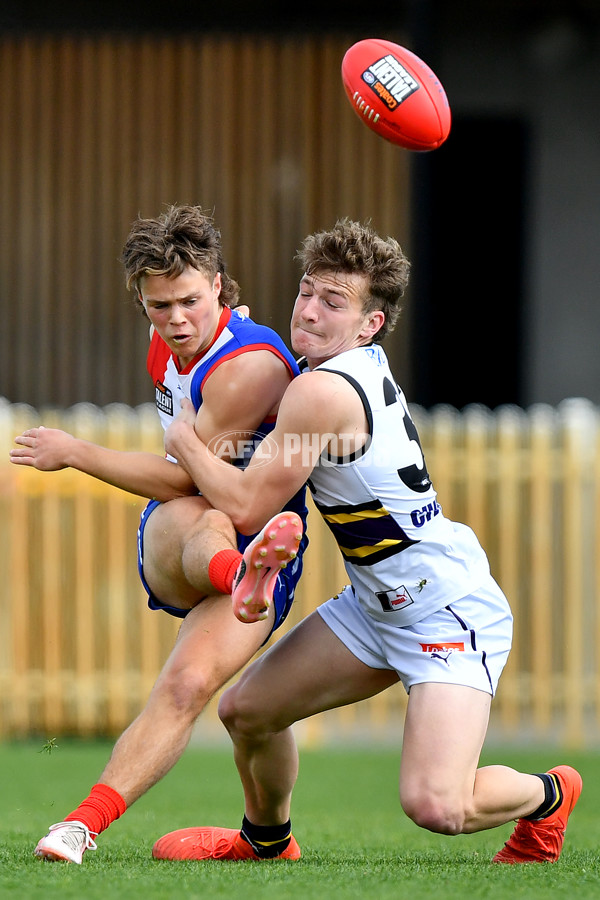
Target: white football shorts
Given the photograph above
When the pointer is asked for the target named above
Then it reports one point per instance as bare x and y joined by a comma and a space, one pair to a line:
465, 643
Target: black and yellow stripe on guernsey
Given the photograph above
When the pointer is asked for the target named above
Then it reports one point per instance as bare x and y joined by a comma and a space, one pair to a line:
365, 533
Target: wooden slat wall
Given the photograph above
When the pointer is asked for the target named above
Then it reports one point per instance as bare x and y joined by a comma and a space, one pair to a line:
79, 651
94, 130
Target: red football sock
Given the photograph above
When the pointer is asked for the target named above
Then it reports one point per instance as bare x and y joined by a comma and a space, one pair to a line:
97, 811
222, 568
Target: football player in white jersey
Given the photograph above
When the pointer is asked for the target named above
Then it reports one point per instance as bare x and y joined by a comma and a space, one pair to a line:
421, 608
188, 553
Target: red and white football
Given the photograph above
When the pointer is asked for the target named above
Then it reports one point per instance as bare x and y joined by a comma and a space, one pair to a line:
396, 94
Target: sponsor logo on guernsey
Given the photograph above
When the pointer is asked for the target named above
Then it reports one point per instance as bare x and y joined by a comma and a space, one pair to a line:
164, 399
391, 601
420, 516
390, 81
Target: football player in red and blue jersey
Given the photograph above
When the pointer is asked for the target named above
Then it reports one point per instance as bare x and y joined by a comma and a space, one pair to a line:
190, 556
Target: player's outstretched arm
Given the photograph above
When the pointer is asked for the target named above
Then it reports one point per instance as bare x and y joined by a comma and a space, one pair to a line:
144, 474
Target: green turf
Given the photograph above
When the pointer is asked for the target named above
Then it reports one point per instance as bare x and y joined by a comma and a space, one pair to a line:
356, 841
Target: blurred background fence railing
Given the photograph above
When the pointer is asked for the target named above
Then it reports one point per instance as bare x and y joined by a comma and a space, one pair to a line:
79, 650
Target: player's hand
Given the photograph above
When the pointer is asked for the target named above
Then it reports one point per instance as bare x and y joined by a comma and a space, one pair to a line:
179, 427
42, 448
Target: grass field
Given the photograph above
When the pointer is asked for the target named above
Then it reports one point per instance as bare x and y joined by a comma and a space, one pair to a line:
356, 841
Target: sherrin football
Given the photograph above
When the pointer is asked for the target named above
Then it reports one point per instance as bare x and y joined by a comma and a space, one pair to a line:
396, 94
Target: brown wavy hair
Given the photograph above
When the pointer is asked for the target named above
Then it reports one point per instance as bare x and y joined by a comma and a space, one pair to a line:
355, 247
182, 236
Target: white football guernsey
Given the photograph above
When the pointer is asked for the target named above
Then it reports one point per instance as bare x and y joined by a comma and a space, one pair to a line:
404, 558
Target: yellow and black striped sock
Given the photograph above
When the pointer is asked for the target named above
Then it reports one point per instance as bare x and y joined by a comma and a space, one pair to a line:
552, 799
267, 841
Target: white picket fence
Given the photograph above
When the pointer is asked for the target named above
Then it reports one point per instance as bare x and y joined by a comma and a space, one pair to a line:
79, 650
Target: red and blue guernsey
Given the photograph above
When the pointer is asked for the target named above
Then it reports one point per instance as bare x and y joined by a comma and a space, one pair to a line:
235, 334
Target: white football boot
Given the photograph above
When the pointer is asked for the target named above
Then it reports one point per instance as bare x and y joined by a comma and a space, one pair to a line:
65, 842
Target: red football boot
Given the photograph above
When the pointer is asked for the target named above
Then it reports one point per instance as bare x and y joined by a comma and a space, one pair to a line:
542, 840
270, 552
213, 843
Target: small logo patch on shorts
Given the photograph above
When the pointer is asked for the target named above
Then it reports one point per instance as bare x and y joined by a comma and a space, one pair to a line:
396, 599
443, 645
443, 650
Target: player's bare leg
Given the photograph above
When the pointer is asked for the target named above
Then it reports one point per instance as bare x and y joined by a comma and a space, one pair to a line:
264, 747
442, 788
211, 647
155, 741
180, 539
